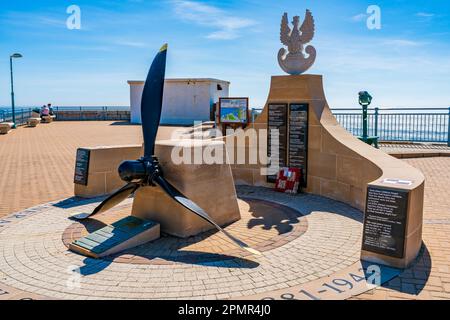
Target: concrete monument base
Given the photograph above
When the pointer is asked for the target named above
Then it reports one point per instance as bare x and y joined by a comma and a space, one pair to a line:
102, 176
5, 127
211, 186
33, 122
47, 119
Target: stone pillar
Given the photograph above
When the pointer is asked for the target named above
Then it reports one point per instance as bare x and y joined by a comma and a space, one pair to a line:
210, 186
342, 167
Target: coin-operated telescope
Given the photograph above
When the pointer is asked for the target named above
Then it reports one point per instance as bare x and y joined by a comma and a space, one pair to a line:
365, 99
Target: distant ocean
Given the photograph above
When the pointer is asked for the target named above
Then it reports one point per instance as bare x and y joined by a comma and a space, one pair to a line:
422, 125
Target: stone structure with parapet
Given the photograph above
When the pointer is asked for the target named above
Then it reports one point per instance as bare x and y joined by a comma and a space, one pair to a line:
335, 165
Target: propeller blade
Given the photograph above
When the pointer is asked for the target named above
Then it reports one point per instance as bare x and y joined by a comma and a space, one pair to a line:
151, 103
190, 205
111, 201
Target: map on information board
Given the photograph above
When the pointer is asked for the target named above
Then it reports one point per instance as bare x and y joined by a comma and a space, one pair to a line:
233, 110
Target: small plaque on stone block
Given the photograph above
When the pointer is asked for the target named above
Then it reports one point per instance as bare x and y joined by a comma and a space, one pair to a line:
385, 221
82, 167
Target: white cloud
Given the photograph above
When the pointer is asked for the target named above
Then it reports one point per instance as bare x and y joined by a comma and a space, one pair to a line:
402, 43
228, 26
128, 43
359, 17
424, 14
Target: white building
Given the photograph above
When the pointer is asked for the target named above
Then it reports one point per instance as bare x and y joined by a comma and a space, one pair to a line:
184, 100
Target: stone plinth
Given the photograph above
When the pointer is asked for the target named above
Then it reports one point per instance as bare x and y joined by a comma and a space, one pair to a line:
126, 233
413, 224
5, 127
211, 186
103, 177
47, 119
33, 122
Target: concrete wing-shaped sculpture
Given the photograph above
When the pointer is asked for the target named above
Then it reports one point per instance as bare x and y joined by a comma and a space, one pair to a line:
147, 171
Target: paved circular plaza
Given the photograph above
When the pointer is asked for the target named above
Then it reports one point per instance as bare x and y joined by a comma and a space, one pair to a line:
303, 238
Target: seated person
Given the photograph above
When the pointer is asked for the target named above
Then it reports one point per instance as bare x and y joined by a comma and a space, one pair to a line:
44, 111
50, 109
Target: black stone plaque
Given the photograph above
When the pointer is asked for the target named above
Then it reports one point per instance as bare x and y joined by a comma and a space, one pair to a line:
277, 119
385, 221
298, 138
82, 167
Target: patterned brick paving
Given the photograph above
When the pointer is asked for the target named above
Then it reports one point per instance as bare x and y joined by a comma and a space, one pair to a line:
413, 150
37, 164
34, 259
263, 225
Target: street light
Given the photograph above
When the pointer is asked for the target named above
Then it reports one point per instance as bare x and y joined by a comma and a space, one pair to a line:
15, 56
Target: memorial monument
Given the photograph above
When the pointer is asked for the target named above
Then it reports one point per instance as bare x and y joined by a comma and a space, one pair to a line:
141, 177
333, 164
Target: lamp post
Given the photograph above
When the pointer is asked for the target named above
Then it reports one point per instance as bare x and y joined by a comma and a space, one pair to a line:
15, 55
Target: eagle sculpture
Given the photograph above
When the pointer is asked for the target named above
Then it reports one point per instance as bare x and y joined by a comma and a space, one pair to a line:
294, 60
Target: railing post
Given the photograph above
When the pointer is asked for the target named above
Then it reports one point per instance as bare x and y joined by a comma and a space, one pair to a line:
375, 130
448, 130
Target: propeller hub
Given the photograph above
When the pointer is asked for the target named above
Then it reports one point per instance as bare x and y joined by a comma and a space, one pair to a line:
143, 170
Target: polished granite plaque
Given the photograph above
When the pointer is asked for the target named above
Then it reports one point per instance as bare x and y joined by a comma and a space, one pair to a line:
277, 120
298, 138
82, 167
385, 221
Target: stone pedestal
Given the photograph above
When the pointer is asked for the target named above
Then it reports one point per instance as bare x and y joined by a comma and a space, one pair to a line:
33, 122
102, 175
211, 186
392, 233
5, 127
126, 233
47, 119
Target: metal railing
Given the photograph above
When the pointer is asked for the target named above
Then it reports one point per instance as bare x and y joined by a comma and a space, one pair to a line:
92, 113
390, 124
396, 124
22, 115
70, 113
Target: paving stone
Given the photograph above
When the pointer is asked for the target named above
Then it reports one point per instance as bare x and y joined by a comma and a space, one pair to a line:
123, 279
330, 243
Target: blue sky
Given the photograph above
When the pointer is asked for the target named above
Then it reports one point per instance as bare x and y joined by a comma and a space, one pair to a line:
404, 64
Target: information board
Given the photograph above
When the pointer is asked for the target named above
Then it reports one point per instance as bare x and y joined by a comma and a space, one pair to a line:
82, 167
233, 110
298, 139
277, 120
385, 221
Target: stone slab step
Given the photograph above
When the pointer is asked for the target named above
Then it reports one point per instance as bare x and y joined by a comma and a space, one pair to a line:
124, 234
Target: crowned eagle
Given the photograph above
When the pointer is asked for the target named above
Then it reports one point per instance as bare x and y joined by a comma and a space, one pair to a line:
297, 37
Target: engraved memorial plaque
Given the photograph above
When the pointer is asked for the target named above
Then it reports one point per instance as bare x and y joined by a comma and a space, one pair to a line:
385, 221
298, 138
277, 119
82, 167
